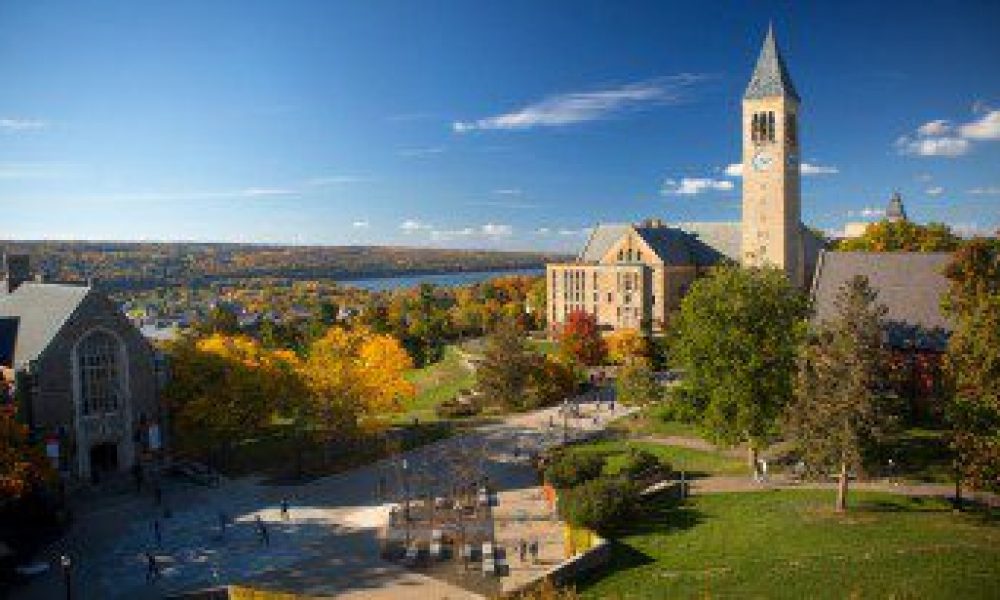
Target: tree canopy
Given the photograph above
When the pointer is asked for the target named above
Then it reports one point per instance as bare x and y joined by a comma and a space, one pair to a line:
887, 236
840, 408
735, 339
580, 339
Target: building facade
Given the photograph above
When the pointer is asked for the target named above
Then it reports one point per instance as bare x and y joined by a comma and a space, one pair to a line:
634, 276
86, 377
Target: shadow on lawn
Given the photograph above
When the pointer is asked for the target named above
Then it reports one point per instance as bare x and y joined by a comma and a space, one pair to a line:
662, 513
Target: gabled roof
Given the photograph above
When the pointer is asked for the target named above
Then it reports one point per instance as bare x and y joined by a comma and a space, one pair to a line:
41, 310
909, 284
770, 77
601, 239
711, 242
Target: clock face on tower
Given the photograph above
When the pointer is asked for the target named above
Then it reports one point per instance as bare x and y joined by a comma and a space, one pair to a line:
761, 161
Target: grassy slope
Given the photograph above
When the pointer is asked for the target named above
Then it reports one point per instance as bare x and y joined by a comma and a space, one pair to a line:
435, 383
695, 462
789, 544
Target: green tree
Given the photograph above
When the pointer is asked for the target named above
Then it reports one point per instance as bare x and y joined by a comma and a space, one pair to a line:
972, 364
840, 410
736, 338
505, 371
636, 384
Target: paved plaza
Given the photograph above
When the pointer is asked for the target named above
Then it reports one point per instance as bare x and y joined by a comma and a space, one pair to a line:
328, 546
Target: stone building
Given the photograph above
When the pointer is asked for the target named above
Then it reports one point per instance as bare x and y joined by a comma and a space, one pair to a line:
634, 276
86, 377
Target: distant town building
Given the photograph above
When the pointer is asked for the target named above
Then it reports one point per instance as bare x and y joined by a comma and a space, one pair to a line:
87, 377
634, 276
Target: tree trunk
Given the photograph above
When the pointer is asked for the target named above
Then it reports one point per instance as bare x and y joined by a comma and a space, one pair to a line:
842, 489
752, 459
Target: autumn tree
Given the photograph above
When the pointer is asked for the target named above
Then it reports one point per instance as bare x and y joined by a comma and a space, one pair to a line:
580, 339
888, 236
628, 345
736, 338
22, 463
227, 388
551, 381
354, 373
972, 363
504, 373
840, 409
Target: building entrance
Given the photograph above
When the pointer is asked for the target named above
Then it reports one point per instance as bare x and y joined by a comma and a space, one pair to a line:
103, 459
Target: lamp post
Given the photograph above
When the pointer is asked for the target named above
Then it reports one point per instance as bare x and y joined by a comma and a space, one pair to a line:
67, 565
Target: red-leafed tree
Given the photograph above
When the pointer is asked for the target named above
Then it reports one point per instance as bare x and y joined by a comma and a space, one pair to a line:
580, 339
22, 464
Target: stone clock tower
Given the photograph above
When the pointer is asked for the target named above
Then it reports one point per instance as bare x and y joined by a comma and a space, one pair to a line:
772, 230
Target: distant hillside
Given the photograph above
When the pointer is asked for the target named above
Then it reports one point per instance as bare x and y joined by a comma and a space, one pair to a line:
138, 265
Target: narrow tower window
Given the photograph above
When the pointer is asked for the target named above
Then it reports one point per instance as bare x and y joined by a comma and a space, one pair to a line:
770, 126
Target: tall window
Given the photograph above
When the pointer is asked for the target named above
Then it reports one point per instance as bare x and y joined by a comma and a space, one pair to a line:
98, 361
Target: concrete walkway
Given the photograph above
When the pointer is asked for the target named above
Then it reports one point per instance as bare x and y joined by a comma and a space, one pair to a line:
327, 548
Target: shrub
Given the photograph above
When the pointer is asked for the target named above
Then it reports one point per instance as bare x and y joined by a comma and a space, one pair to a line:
569, 469
600, 504
642, 463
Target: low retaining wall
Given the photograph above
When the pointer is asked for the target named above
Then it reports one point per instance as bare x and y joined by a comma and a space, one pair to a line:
568, 570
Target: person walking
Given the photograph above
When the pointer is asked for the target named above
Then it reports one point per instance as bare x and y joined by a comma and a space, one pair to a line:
534, 551
262, 532
523, 549
152, 569
284, 510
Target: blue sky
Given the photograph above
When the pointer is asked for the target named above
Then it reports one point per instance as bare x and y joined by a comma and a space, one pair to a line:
475, 124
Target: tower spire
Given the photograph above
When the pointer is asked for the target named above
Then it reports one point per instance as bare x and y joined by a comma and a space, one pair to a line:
770, 77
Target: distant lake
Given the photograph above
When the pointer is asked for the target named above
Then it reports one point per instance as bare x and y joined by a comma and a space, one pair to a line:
380, 284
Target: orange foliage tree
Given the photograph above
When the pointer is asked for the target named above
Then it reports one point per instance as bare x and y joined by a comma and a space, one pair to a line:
580, 340
22, 464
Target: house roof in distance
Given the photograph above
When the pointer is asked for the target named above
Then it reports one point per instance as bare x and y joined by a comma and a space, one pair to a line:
40, 310
909, 284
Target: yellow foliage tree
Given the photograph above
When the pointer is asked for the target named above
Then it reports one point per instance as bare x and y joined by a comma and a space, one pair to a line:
353, 373
627, 345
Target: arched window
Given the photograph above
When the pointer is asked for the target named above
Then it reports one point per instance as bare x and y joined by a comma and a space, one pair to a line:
98, 361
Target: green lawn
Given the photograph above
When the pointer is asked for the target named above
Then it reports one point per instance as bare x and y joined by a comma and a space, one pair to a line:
694, 462
435, 383
790, 544
653, 421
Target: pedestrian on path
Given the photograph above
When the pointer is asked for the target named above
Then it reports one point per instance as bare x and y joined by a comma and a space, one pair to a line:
284, 510
262, 532
152, 569
222, 524
534, 551
157, 534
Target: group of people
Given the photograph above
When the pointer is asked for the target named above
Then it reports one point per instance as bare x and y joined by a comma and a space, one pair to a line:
263, 535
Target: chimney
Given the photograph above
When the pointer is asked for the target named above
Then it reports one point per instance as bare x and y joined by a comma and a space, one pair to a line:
16, 270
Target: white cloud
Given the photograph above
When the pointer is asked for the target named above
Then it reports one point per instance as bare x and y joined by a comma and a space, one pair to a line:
448, 234
14, 124
934, 191
811, 169
985, 129
934, 128
496, 230
580, 107
420, 152
335, 180
924, 177
736, 169
543, 231
567, 231
257, 192
361, 224
413, 225
941, 146
508, 192
991, 190
690, 186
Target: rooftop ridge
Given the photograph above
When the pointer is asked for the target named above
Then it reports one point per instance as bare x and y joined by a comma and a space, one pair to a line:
770, 77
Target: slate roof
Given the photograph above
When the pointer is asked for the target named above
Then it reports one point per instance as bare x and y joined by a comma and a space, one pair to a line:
909, 284
41, 309
700, 244
770, 77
